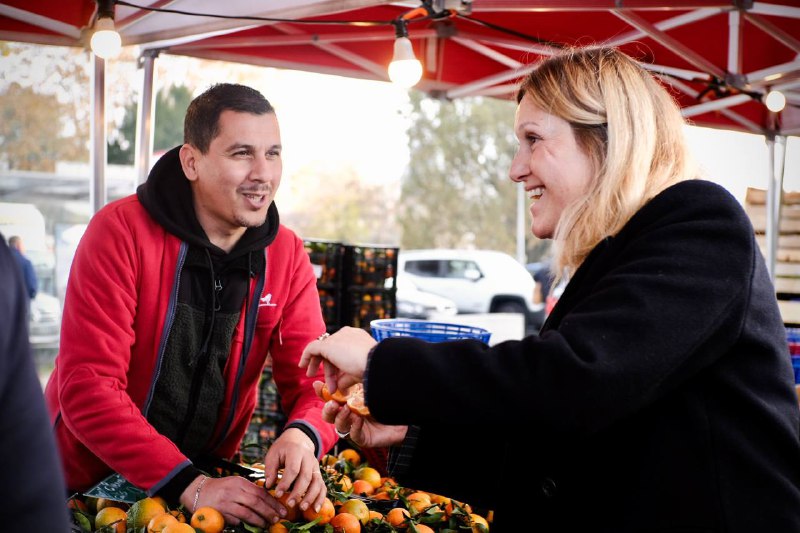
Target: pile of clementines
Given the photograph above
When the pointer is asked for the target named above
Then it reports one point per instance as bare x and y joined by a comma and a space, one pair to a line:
359, 500
148, 515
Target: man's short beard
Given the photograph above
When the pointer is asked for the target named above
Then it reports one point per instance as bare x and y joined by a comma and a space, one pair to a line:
245, 223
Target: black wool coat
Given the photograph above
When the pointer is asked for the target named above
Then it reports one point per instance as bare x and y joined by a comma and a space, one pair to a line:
658, 396
31, 481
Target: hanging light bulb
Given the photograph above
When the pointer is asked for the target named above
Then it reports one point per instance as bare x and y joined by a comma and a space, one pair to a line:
775, 101
106, 42
405, 69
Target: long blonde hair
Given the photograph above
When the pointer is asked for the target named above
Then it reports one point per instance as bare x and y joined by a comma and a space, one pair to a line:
630, 127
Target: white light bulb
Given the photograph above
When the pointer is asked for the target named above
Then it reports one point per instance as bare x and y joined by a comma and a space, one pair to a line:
405, 69
106, 42
775, 101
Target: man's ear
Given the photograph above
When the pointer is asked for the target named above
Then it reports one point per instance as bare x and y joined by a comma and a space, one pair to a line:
189, 155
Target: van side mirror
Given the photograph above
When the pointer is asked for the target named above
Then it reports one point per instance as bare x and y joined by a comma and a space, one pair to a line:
473, 274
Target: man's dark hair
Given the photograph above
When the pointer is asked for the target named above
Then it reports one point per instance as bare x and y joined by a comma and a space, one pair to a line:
201, 124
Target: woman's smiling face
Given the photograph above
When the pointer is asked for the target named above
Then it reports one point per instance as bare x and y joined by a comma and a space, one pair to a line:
553, 168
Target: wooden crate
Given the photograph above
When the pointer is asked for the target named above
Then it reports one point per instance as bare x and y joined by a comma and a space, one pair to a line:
787, 256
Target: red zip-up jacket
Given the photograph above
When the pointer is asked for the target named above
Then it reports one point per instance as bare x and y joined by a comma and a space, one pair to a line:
117, 316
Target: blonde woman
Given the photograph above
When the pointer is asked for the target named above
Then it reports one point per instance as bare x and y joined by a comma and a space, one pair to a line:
659, 393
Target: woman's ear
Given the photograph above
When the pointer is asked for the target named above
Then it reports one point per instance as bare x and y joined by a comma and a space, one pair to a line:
189, 156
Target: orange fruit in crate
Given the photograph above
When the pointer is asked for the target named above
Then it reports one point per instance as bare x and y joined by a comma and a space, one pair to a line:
158, 523
375, 515
142, 511
111, 515
349, 454
453, 505
278, 527
418, 506
361, 486
370, 475
344, 482
328, 460
178, 528
345, 523
439, 499
422, 528
179, 516
208, 520
356, 508
162, 501
419, 496
102, 503
479, 523
397, 517
388, 483
292, 511
325, 513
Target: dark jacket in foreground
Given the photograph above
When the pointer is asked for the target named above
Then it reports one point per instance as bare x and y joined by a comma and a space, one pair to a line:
31, 482
659, 395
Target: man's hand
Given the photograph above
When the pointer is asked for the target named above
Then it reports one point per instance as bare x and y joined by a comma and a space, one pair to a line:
294, 452
237, 498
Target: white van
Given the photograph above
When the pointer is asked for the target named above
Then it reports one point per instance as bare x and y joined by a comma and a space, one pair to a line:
478, 281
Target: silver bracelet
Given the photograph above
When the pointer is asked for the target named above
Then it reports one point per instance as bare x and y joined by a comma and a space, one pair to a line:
197, 493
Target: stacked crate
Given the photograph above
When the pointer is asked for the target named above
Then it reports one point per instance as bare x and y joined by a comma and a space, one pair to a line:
369, 290
327, 260
356, 283
787, 257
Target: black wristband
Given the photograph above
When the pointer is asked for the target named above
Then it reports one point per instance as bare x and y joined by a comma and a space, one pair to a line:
172, 490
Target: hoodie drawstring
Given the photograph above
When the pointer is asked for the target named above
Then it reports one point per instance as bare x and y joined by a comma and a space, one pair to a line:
216, 288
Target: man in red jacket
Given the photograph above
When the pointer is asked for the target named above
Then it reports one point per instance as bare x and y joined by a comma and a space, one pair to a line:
176, 296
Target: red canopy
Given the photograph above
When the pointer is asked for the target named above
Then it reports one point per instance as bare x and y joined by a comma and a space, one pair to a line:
719, 57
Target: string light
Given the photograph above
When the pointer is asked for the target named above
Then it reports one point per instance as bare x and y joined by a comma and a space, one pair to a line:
106, 42
775, 101
405, 69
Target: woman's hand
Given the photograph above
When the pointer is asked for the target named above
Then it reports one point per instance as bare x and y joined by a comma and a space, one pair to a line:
363, 431
343, 355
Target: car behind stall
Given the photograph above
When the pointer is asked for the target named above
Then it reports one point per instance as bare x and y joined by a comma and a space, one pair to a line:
414, 303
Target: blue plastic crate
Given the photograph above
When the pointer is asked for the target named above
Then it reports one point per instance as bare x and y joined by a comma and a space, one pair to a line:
793, 338
428, 331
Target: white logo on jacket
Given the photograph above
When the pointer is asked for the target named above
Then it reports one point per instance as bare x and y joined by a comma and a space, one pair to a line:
266, 301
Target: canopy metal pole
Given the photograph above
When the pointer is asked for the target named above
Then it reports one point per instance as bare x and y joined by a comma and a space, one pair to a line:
97, 152
146, 116
774, 196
